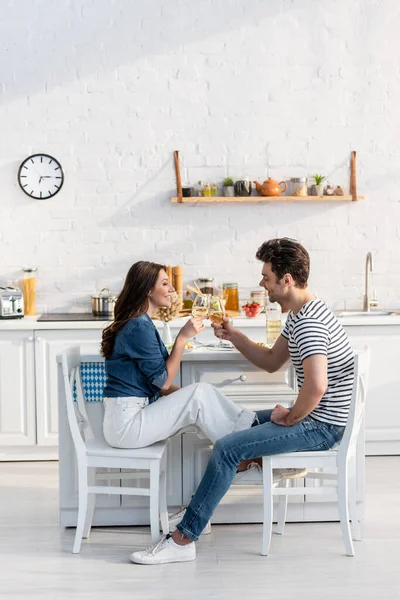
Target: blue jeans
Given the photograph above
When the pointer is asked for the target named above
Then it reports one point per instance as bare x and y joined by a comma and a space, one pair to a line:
264, 439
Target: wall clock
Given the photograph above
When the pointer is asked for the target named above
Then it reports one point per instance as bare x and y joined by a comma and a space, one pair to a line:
40, 176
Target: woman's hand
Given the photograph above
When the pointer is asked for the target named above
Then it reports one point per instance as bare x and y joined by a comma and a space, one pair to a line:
191, 328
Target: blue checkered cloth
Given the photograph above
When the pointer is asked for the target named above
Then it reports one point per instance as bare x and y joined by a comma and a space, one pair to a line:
93, 378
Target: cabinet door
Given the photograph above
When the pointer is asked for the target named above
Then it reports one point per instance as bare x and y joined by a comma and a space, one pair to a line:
48, 344
17, 388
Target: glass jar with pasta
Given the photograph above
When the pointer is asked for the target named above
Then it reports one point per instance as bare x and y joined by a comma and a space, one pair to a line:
29, 278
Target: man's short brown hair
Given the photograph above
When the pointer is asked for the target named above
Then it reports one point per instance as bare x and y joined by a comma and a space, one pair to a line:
286, 256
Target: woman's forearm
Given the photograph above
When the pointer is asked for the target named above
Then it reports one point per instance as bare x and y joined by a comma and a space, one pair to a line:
174, 360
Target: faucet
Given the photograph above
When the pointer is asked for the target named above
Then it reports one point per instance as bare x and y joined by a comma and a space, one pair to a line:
368, 302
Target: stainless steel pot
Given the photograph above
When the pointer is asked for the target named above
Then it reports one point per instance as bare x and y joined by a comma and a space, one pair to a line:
103, 304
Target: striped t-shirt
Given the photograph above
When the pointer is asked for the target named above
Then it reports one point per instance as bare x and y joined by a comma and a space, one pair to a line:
316, 330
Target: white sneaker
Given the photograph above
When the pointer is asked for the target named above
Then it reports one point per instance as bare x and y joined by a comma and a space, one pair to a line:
164, 551
251, 476
290, 473
175, 518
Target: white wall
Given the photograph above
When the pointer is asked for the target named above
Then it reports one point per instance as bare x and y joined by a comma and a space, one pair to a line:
275, 87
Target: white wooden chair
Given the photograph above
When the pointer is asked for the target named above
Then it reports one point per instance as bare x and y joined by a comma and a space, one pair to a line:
342, 460
92, 452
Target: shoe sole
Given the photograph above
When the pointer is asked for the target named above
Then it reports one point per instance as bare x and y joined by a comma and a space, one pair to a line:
162, 562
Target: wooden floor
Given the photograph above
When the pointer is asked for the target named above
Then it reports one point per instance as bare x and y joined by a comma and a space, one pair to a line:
307, 562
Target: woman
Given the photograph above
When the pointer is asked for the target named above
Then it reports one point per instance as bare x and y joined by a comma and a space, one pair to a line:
142, 406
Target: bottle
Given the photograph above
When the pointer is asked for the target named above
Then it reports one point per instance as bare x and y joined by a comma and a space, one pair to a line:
207, 190
200, 189
29, 290
274, 325
214, 190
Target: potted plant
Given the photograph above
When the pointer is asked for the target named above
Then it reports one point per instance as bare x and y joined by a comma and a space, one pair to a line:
317, 189
229, 190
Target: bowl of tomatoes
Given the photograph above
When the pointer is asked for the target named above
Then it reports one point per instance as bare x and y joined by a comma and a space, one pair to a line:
251, 309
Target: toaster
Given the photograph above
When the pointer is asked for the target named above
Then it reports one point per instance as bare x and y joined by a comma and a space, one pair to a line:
11, 303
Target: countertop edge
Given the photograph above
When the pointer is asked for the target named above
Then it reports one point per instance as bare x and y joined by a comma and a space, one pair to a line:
31, 323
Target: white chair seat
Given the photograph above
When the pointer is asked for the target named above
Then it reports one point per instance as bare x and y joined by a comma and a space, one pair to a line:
101, 448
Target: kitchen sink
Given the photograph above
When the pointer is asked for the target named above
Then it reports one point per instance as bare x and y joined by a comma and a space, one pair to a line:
362, 313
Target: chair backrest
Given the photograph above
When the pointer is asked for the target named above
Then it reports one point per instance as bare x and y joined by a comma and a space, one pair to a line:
357, 403
78, 421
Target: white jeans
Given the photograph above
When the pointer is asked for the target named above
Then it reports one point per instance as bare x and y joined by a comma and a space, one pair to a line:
134, 423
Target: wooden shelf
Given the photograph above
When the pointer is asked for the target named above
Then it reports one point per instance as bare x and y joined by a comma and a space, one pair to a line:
179, 199
247, 199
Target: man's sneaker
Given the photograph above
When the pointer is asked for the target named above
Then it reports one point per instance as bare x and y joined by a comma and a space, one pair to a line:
253, 475
291, 473
175, 518
164, 551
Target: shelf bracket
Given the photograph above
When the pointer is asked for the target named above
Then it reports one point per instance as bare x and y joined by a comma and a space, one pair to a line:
353, 176
178, 175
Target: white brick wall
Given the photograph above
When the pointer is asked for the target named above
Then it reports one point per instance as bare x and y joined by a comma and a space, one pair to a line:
276, 88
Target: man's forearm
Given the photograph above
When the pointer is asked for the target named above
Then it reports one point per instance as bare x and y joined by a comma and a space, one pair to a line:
308, 398
258, 355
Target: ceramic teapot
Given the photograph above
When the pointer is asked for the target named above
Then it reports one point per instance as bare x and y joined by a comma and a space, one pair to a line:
270, 187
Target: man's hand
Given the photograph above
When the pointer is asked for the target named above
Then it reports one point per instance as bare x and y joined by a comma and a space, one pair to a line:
279, 415
224, 330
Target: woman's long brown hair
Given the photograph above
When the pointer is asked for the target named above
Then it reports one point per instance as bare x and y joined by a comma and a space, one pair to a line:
133, 301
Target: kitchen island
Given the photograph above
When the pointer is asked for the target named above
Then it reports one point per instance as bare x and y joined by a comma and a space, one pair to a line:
188, 453
28, 385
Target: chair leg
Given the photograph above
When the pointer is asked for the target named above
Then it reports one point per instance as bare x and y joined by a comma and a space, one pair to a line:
282, 510
82, 507
342, 491
355, 523
163, 495
91, 504
268, 505
155, 500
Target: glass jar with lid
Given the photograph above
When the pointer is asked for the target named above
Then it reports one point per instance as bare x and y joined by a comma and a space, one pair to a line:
231, 295
29, 279
298, 186
206, 284
259, 297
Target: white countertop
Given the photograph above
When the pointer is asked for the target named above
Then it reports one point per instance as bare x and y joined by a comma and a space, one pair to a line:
32, 323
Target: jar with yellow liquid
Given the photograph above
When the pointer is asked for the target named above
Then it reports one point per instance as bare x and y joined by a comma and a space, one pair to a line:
29, 279
274, 324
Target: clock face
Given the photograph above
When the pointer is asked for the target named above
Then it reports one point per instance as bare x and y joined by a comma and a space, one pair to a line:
40, 176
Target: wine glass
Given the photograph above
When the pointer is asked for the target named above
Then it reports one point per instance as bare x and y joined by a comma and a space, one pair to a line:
217, 313
200, 308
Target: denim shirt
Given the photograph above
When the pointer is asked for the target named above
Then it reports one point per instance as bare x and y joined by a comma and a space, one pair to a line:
137, 364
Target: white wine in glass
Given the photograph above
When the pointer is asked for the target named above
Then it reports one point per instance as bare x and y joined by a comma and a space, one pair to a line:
216, 312
200, 308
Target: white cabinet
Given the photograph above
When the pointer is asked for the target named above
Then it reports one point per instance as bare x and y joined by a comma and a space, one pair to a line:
17, 390
28, 389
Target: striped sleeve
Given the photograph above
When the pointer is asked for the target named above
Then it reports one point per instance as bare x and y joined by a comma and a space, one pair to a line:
311, 337
286, 331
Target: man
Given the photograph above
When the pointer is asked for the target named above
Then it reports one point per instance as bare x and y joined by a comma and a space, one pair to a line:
324, 363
